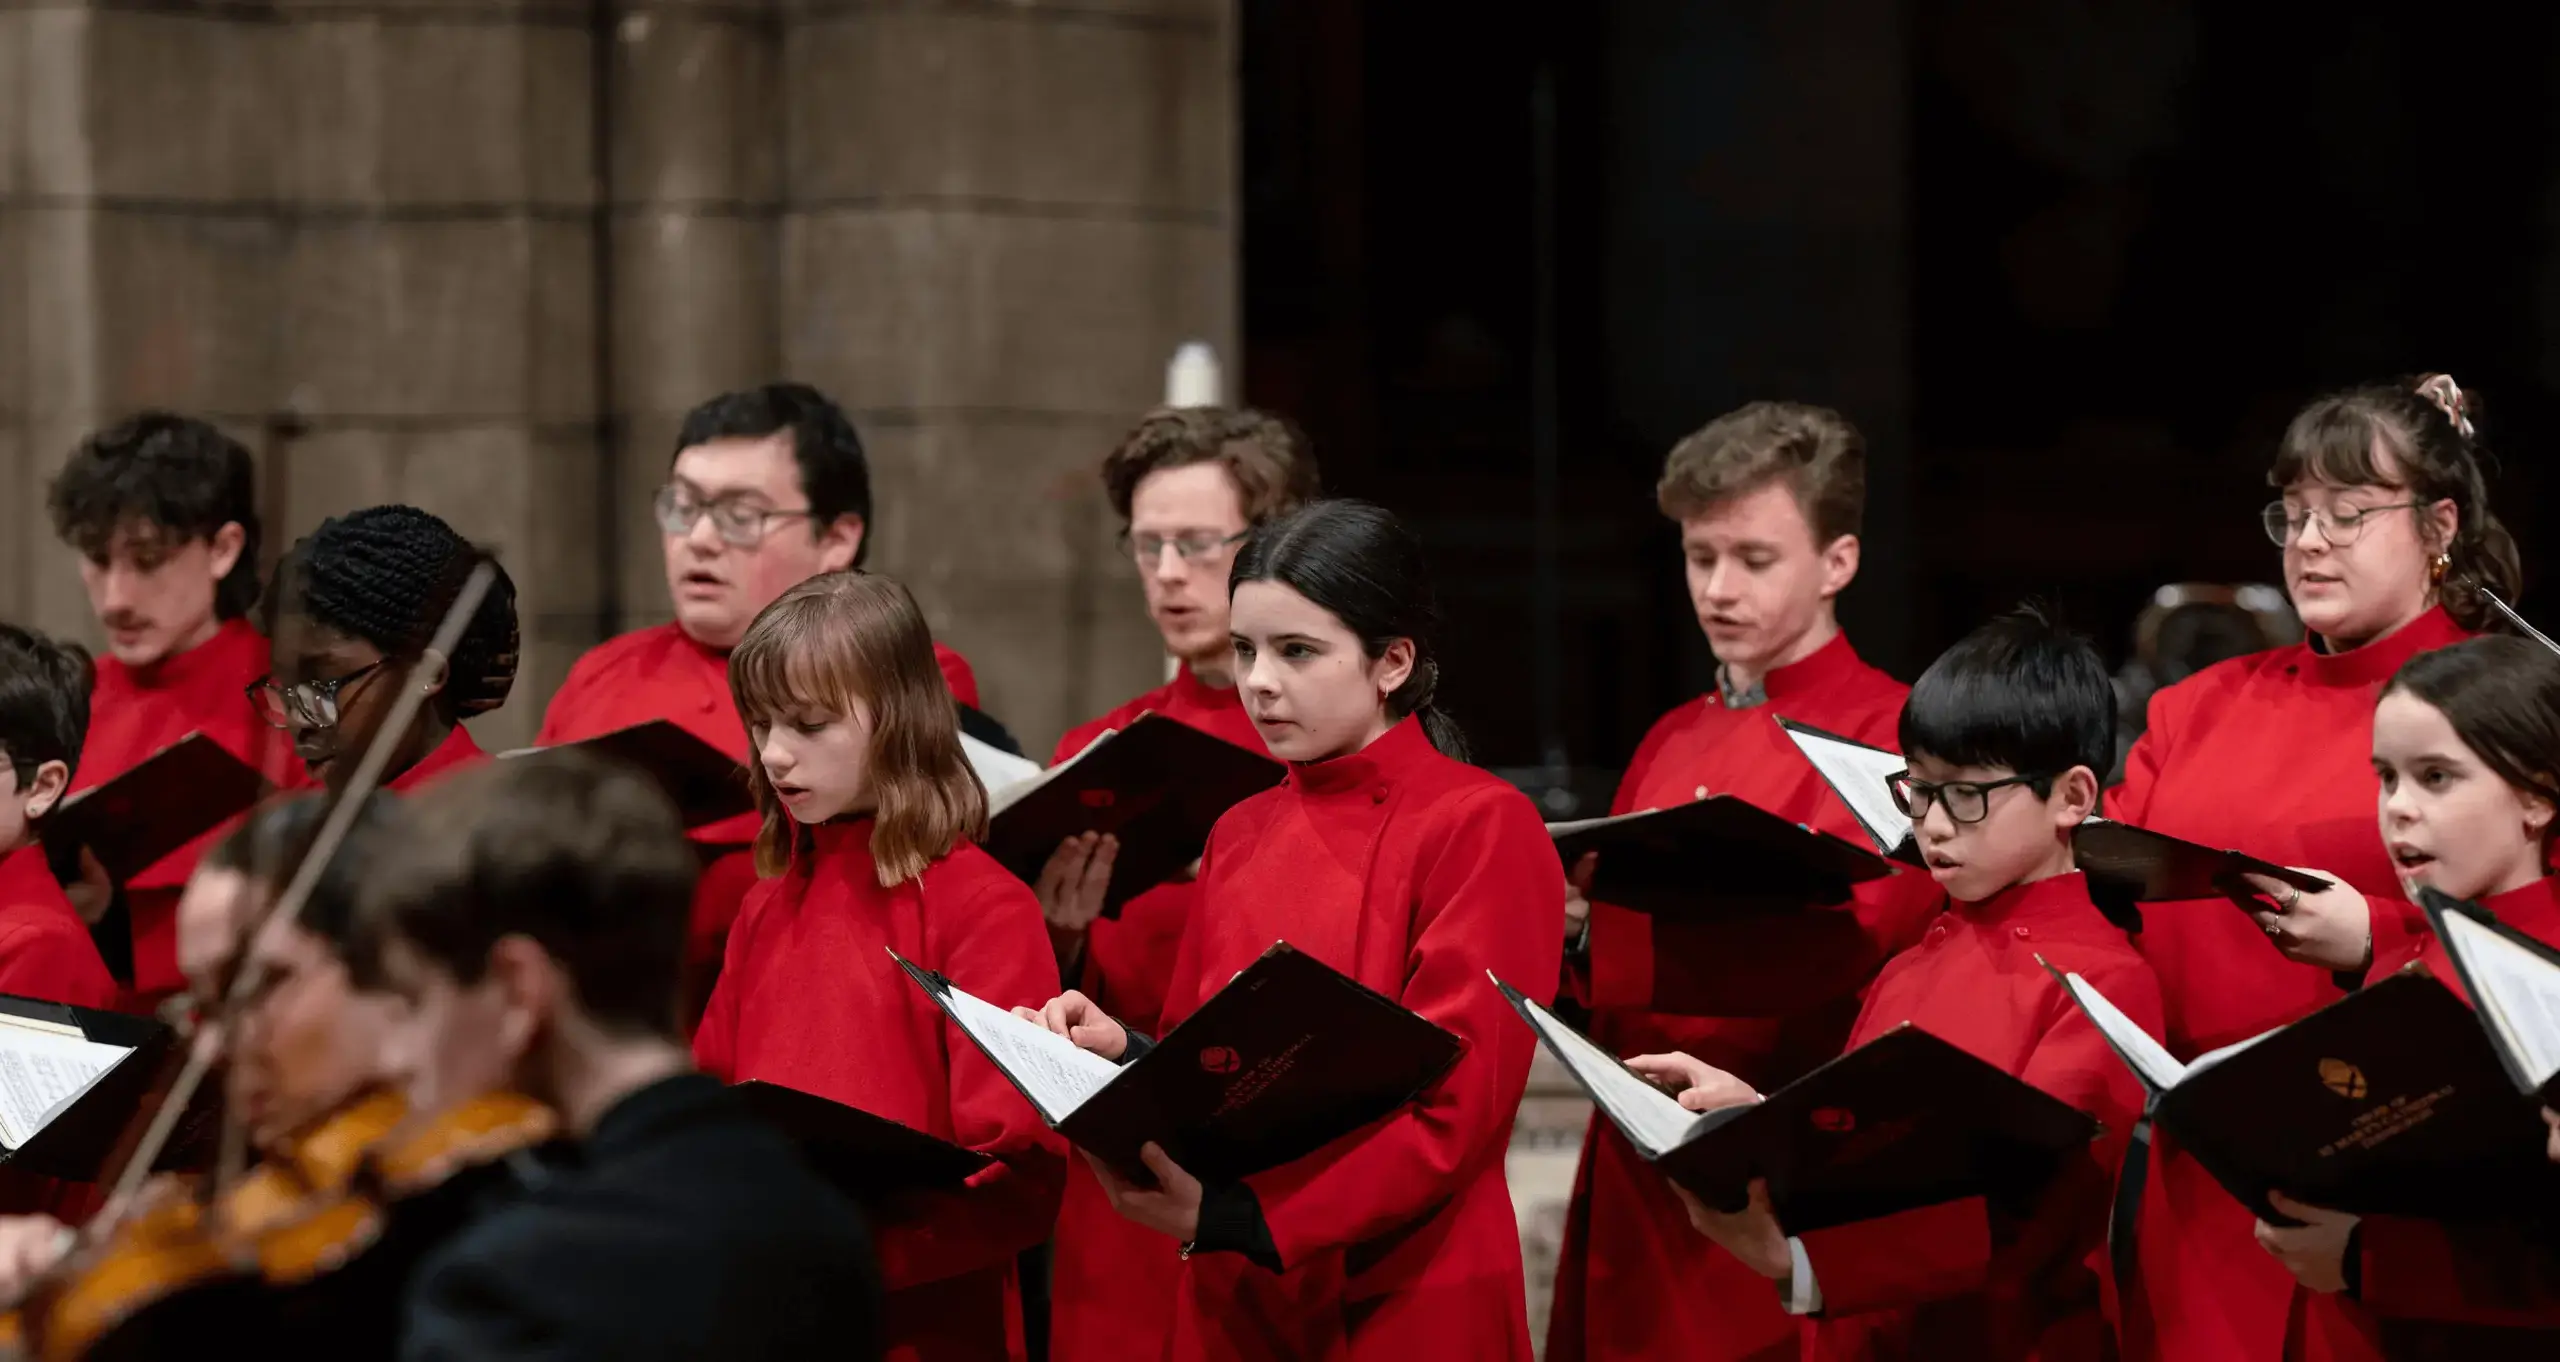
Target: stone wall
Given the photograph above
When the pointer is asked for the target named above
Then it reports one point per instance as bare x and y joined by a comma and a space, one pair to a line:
482, 254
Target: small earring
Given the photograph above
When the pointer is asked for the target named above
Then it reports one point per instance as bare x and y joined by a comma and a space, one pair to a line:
2437, 569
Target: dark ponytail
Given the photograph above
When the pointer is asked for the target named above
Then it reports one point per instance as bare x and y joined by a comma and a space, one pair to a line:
1359, 562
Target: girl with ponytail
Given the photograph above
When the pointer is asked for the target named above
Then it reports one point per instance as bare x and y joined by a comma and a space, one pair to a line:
1386, 857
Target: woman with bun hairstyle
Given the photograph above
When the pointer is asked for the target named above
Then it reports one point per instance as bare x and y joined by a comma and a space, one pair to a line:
2384, 521
1384, 855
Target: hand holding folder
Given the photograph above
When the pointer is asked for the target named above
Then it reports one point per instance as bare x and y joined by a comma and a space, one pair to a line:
165, 801
1905, 1121
1286, 1058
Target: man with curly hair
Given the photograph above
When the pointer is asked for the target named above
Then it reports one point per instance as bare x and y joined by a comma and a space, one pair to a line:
162, 510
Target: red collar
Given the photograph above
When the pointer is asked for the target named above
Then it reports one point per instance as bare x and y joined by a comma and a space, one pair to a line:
2055, 895
234, 656
1392, 754
1817, 671
456, 751
2376, 661
1188, 688
2533, 910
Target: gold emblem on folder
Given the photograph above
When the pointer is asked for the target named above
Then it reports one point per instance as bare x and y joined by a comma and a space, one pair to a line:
2342, 1078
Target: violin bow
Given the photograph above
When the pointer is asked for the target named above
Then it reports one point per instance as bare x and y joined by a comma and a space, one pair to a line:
2515, 619
287, 908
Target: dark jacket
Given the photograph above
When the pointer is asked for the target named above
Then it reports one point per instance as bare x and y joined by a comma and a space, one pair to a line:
685, 1229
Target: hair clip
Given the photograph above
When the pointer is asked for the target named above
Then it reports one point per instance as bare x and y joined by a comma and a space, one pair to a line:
2447, 395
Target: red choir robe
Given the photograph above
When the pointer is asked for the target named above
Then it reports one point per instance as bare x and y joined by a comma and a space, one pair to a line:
2426, 1288
2270, 753
134, 713
1111, 1281
1414, 874
809, 998
458, 751
661, 673
1633, 1280
1958, 1280
46, 952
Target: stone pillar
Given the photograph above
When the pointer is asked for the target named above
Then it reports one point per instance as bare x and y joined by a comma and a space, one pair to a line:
358, 236
998, 222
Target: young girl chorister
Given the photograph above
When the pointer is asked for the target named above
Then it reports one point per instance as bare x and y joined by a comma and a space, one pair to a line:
1386, 857
2466, 741
870, 811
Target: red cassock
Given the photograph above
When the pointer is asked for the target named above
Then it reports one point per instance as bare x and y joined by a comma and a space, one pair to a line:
456, 753
46, 952
2430, 1289
809, 998
1959, 1280
1414, 874
1112, 1282
133, 714
1633, 1280
661, 673
2271, 754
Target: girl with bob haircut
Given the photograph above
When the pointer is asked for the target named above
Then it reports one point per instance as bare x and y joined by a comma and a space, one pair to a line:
1388, 858
870, 810
2466, 744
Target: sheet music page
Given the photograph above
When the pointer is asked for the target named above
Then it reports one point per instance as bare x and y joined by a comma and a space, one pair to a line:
997, 769
2149, 1059
1857, 772
42, 1074
1058, 1075
2211, 1057
999, 800
1653, 1119
2518, 991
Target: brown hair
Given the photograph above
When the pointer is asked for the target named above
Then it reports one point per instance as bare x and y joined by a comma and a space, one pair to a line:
1821, 457
1265, 456
2501, 694
847, 642
581, 854
2423, 425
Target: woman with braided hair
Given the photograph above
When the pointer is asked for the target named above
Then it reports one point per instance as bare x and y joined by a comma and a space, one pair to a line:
351, 613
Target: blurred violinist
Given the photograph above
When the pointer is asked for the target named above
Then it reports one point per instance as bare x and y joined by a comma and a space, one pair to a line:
532, 916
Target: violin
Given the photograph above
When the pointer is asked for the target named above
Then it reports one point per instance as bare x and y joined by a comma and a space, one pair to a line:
144, 1278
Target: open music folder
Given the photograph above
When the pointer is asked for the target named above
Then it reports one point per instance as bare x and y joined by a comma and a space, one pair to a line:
705, 784
870, 1158
1904, 1121
1157, 785
2514, 982
2389, 1101
1715, 855
165, 801
1286, 1058
2152, 867
73, 1078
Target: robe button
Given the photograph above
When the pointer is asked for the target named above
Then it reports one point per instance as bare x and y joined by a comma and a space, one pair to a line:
1702, 792
1379, 795
706, 705
2022, 933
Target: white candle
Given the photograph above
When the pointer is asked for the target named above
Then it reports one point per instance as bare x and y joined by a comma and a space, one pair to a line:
1191, 378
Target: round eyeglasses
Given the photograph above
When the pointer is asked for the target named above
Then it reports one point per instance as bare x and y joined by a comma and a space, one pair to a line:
315, 703
2339, 524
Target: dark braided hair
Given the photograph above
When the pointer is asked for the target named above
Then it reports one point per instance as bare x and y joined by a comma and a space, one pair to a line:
386, 575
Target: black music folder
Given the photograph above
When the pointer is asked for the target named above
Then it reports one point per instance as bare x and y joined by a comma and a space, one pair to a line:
74, 1079
1286, 1058
1714, 855
706, 784
2389, 1101
2514, 983
2148, 866
1158, 785
166, 800
1904, 1121
870, 1158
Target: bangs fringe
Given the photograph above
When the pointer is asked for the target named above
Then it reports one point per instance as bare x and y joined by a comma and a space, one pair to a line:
2332, 443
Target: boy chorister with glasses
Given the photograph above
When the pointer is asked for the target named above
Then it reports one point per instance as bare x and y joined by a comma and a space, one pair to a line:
768, 487
2005, 734
1189, 483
